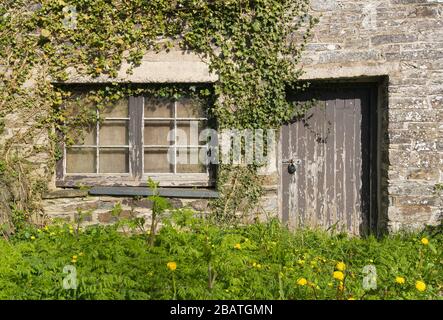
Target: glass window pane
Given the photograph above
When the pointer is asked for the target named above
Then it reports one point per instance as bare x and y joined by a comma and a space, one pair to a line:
159, 108
159, 160
80, 160
87, 137
114, 133
157, 133
188, 133
189, 108
118, 110
191, 160
114, 161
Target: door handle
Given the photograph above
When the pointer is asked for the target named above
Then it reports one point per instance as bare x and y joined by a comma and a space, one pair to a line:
292, 168
292, 165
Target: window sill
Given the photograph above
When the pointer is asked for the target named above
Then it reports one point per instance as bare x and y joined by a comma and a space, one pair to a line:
133, 192
144, 192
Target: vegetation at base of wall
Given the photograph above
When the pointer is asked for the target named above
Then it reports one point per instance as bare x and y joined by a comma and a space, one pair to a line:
194, 259
254, 46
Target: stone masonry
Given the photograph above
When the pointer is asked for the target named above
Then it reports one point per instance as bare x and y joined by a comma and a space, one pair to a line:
396, 43
401, 40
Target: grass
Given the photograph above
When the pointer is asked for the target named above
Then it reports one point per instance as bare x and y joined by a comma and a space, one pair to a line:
206, 261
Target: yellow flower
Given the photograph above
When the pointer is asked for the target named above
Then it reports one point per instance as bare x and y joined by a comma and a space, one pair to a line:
302, 282
259, 266
32, 238
400, 280
425, 241
74, 257
351, 298
171, 265
341, 286
237, 246
254, 264
341, 266
420, 286
338, 275
301, 262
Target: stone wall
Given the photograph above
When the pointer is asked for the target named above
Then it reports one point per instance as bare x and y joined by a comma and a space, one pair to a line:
67, 206
398, 44
402, 40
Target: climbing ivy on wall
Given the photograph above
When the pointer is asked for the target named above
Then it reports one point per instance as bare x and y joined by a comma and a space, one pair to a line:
254, 47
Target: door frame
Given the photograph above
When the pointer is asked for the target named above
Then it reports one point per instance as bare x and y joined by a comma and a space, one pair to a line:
374, 86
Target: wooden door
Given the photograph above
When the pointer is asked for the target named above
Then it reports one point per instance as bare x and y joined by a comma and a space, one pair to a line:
330, 147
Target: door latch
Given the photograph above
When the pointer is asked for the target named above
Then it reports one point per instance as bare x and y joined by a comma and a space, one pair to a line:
292, 166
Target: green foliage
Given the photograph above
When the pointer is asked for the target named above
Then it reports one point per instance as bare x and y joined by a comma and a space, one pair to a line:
259, 261
254, 46
159, 206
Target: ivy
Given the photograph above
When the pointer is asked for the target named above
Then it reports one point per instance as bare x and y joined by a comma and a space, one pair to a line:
254, 46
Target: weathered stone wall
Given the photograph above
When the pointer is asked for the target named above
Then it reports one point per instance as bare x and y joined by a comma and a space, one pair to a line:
403, 40
399, 44
67, 206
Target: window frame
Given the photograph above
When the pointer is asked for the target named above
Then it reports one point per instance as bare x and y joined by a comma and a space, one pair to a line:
136, 175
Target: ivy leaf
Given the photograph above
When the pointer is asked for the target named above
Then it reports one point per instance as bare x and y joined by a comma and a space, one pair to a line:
256, 26
45, 33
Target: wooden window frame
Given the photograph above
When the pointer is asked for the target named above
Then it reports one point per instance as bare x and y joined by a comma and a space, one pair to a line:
136, 176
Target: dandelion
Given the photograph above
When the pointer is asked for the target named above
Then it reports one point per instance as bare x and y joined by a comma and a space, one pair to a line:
237, 246
302, 282
351, 298
420, 285
341, 266
259, 266
425, 241
341, 286
338, 275
301, 262
32, 238
171, 265
400, 280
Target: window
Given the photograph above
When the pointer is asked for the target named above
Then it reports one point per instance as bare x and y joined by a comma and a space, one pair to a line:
141, 137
